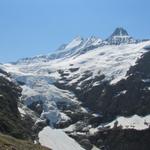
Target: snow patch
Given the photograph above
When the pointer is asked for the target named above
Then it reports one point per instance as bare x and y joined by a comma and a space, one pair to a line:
56, 139
133, 122
22, 112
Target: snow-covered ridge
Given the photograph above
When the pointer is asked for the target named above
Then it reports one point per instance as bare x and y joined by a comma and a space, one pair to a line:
133, 122
77, 45
111, 60
80, 45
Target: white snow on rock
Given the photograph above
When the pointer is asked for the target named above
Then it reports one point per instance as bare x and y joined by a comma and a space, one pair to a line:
111, 60
74, 43
40, 89
52, 115
92, 131
133, 122
95, 148
39, 74
1, 96
121, 93
64, 117
22, 112
56, 139
71, 128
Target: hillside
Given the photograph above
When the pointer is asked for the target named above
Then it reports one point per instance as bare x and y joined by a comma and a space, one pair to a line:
12, 125
10, 143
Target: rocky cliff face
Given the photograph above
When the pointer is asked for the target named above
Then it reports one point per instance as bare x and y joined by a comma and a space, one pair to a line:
11, 121
9, 115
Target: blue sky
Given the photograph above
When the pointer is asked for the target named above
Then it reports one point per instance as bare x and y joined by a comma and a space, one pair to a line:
33, 27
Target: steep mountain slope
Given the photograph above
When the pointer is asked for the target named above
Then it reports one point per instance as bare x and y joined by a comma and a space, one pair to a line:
11, 143
86, 84
11, 122
9, 96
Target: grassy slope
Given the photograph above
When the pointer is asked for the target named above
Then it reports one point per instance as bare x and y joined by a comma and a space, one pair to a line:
10, 143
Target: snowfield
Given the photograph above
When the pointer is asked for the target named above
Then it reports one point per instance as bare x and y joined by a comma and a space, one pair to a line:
133, 122
39, 74
111, 60
56, 139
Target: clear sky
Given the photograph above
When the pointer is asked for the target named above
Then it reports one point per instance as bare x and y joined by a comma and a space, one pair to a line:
33, 27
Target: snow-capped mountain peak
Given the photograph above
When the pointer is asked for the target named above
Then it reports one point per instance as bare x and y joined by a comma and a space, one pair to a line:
120, 32
75, 43
93, 40
80, 45
120, 36
79, 42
